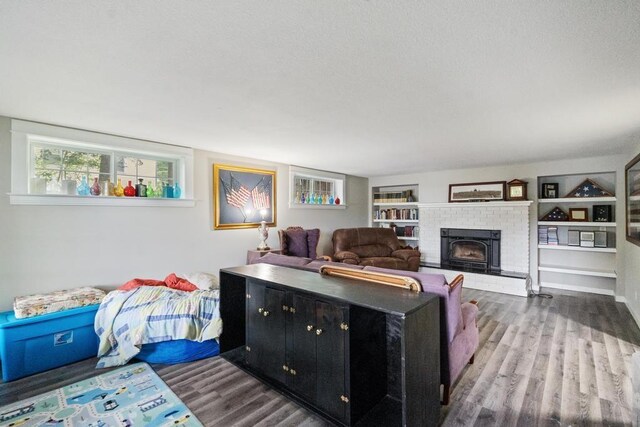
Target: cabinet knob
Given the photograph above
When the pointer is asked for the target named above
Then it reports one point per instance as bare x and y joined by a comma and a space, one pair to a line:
285, 308
344, 326
344, 398
292, 372
318, 331
265, 313
285, 368
309, 328
260, 310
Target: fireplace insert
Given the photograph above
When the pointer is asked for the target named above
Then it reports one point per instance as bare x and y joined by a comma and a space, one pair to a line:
470, 249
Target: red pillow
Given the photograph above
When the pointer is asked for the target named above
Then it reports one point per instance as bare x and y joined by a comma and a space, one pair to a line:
136, 283
172, 281
175, 282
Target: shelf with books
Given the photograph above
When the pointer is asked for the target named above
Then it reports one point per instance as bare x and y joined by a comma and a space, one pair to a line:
575, 248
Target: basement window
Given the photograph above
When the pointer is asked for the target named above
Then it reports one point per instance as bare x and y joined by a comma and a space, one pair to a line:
48, 164
315, 189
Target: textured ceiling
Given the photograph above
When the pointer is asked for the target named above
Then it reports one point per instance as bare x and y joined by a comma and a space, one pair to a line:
360, 87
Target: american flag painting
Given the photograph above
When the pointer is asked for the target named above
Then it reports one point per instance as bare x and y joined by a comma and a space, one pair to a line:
589, 189
243, 197
261, 194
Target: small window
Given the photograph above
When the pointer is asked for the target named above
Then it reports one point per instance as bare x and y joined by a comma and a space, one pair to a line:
52, 161
315, 189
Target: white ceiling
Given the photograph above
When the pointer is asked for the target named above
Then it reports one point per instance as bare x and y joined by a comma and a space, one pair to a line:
360, 87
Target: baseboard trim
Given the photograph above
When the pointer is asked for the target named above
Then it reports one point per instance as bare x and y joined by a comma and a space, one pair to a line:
635, 315
564, 287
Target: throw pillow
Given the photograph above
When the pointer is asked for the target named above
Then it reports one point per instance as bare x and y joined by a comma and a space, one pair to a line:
297, 243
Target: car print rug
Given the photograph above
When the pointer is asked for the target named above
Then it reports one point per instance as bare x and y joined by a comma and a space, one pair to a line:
133, 395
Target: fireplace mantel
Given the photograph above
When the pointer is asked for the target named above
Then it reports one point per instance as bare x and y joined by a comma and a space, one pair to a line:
476, 204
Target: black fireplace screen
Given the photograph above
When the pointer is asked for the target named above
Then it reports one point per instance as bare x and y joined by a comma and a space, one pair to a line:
470, 249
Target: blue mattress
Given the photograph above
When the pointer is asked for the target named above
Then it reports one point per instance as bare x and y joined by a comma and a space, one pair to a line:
178, 351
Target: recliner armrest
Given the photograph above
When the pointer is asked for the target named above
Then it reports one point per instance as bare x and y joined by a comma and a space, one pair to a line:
405, 254
345, 255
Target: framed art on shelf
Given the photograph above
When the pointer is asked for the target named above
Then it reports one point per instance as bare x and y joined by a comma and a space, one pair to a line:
579, 214
243, 197
632, 196
477, 192
549, 190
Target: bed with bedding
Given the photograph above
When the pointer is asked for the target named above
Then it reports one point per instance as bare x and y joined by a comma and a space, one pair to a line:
170, 321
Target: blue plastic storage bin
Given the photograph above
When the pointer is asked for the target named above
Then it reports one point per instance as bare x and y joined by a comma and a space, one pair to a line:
36, 344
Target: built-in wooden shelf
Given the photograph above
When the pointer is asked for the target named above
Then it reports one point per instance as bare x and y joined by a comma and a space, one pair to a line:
576, 248
405, 204
578, 200
579, 271
578, 223
396, 220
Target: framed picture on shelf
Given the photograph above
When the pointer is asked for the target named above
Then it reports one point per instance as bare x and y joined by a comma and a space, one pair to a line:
602, 213
550, 190
242, 197
632, 198
579, 214
477, 192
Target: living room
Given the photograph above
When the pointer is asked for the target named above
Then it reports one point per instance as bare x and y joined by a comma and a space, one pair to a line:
427, 95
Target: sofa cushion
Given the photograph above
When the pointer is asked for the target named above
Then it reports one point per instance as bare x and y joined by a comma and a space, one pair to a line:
386, 262
374, 250
283, 260
313, 237
297, 244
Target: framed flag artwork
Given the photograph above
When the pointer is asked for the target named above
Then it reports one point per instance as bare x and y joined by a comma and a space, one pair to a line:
242, 197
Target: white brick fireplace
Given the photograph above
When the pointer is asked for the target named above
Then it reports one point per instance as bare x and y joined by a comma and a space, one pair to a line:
511, 218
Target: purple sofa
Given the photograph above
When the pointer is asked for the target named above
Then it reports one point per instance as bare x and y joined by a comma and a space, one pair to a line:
459, 336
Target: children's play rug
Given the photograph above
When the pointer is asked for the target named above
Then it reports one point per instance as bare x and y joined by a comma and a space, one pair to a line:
133, 395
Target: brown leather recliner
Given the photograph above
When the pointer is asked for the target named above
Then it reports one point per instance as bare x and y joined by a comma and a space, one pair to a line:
377, 247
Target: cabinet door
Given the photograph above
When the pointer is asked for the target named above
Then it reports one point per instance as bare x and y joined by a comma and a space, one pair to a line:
331, 359
303, 355
266, 331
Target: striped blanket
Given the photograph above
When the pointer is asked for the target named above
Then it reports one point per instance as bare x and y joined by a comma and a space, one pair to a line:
128, 319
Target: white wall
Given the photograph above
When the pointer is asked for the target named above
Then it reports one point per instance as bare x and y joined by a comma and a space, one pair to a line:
434, 187
44, 248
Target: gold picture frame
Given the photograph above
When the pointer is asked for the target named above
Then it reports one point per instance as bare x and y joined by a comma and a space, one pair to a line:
243, 197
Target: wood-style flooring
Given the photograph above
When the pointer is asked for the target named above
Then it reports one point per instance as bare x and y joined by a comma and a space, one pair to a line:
561, 361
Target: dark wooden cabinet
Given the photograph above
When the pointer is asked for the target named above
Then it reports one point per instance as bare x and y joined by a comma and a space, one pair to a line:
356, 353
266, 338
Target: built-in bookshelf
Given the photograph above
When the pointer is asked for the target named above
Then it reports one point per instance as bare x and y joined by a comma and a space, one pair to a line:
577, 252
397, 207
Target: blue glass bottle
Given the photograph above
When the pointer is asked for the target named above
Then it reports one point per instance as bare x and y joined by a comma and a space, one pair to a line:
331, 200
177, 191
169, 191
303, 199
83, 189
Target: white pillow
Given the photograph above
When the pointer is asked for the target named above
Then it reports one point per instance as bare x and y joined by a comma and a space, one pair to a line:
204, 281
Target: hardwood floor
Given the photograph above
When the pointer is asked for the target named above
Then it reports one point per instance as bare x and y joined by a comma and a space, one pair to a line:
561, 361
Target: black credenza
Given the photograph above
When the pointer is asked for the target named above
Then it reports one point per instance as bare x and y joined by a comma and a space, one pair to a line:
354, 352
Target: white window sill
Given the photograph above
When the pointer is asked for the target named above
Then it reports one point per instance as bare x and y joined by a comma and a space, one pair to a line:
68, 200
314, 206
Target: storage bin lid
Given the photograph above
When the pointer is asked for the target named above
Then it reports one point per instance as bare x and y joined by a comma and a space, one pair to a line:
8, 318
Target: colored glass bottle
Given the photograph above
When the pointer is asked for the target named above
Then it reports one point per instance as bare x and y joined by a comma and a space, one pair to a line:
159, 189
107, 188
331, 200
83, 188
337, 201
129, 191
95, 188
141, 189
302, 198
169, 189
177, 191
118, 191
150, 192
